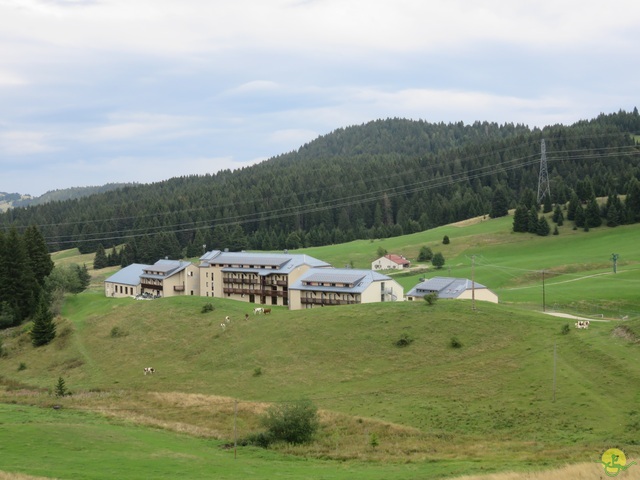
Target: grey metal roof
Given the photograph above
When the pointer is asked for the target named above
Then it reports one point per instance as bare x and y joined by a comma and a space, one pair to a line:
279, 262
129, 275
360, 278
164, 268
446, 287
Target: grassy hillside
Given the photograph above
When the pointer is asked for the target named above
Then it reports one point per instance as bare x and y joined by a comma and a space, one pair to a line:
578, 268
436, 410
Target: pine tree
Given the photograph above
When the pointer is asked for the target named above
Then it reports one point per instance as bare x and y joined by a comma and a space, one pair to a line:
592, 213
558, 217
574, 204
499, 204
100, 259
547, 206
521, 219
38, 253
438, 260
532, 226
579, 218
44, 328
632, 202
543, 227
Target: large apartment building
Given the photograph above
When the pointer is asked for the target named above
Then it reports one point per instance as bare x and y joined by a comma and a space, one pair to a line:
259, 278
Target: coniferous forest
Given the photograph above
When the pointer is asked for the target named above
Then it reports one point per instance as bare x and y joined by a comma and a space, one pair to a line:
380, 179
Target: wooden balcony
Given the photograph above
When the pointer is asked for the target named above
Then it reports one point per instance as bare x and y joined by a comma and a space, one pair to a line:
327, 301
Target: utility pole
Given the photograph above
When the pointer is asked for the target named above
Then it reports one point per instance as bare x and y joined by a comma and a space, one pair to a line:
543, 294
554, 372
235, 431
614, 257
473, 283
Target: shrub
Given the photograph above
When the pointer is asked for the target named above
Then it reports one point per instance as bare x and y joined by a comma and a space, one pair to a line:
455, 343
261, 439
445, 240
431, 298
294, 422
565, 329
425, 255
438, 260
117, 332
22, 366
207, 307
257, 372
373, 440
404, 341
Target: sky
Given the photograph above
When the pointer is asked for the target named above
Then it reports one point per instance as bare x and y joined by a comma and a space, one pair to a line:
103, 91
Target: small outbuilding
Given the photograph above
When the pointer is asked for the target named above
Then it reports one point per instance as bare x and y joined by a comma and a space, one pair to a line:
390, 262
448, 287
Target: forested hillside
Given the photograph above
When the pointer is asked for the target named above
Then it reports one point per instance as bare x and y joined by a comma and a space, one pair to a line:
384, 178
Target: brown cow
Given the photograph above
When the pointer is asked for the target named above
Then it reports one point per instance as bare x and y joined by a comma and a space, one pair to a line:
267, 310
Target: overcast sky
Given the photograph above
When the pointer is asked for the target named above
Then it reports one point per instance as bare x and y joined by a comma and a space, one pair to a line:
100, 91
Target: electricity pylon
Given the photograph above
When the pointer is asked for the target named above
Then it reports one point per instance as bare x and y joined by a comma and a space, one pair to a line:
543, 177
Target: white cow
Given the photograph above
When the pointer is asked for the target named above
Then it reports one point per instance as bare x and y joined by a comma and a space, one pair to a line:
223, 326
149, 370
258, 310
582, 324
227, 319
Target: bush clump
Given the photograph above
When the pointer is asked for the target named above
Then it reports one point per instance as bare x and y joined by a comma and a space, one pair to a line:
455, 343
292, 422
207, 307
404, 341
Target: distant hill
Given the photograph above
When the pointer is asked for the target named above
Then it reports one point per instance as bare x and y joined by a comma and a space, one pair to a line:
11, 200
385, 178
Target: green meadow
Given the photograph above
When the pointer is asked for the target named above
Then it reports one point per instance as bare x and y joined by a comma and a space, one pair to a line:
514, 392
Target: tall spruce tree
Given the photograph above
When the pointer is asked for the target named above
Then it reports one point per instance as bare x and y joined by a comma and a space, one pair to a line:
100, 259
38, 254
44, 328
499, 204
543, 227
592, 213
521, 219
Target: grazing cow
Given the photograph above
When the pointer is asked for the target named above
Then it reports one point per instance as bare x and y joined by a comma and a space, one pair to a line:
149, 370
582, 324
227, 319
246, 316
258, 310
267, 311
223, 326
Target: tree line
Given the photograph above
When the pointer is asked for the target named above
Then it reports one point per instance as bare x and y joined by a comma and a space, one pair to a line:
31, 288
381, 179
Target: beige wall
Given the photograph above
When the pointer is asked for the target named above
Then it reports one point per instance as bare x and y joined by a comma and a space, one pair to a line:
383, 263
185, 282
118, 290
482, 294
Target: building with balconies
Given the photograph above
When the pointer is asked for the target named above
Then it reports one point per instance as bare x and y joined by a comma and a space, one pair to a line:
259, 278
342, 286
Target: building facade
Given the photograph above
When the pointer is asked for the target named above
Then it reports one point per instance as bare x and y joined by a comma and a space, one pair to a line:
259, 278
342, 286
